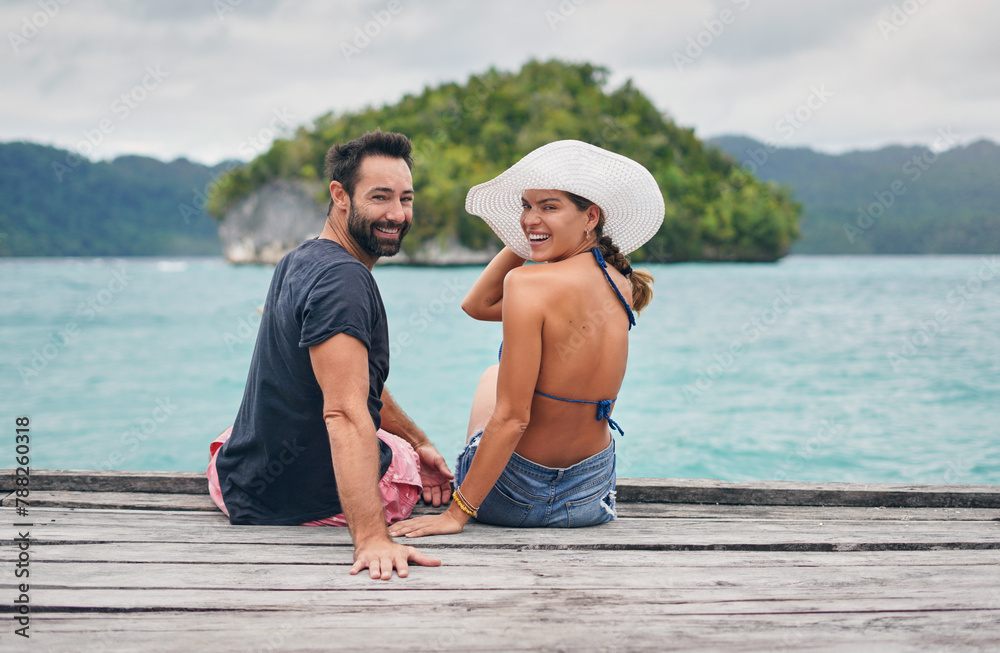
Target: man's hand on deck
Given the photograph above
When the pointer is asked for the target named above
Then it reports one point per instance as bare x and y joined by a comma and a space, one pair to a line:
381, 556
434, 475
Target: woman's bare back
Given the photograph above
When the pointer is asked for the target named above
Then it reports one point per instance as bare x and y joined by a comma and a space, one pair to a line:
584, 355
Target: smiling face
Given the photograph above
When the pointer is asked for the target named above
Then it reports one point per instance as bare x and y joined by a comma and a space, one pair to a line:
382, 206
556, 229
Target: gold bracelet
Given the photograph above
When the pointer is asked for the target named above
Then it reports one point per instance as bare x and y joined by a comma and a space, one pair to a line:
463, 504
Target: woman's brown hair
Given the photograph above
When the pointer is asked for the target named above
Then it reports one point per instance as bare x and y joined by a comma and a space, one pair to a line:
641, 280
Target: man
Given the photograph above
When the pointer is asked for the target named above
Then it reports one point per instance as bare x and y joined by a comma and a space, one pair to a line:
307, 444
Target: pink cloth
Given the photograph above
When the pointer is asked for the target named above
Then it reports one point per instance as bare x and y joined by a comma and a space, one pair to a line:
400, 487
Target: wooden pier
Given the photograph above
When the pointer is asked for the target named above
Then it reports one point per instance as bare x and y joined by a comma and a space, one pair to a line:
144, 561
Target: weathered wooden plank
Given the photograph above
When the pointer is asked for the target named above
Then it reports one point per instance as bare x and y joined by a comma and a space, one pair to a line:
624, 533
119, 500
280, 554
941, 582
112, 481
381, 599
85, 516
202, 503
471, 627
655, 490
824, 513
644, 490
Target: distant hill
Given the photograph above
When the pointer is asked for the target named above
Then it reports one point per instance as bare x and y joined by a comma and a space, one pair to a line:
57, 204
895, 200
914, 201
465, 134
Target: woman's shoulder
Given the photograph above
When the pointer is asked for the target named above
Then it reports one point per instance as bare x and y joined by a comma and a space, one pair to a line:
545, 285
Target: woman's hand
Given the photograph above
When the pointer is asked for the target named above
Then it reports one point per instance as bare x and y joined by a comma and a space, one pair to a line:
446, 523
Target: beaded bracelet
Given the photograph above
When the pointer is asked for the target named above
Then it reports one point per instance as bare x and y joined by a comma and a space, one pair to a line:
463, 504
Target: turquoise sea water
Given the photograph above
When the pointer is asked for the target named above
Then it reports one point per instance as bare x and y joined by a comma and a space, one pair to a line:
863, 369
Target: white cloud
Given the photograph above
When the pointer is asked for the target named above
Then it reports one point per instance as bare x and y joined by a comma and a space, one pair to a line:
228, 74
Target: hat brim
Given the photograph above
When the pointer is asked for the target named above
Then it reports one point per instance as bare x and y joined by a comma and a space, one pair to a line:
626, 192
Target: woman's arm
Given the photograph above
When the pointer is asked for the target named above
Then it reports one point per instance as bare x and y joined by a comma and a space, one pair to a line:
523, 318
485, 298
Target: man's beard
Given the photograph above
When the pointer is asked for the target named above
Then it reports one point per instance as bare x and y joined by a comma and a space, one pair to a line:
363, 232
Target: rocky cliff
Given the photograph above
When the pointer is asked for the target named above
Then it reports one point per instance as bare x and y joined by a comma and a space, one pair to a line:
271, 221
279, 215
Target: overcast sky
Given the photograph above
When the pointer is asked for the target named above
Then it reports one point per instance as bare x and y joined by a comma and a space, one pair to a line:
207, 79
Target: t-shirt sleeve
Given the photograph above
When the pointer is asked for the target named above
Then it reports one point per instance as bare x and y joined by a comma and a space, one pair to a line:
341, 301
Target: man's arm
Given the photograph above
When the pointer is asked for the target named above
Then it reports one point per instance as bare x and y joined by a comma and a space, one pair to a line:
395, 421
434, 473
341, 368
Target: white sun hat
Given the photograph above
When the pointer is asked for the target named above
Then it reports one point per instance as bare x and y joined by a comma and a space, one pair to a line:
623, 189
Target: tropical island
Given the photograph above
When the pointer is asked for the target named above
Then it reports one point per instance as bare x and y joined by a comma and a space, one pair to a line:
466, 134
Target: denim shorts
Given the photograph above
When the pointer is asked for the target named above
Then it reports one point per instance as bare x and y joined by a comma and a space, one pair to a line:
531, 495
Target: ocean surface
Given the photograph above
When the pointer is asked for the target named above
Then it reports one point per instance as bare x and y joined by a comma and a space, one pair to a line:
859, 369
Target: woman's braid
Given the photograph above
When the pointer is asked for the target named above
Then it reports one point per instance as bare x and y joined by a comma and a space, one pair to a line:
612, 255
640, 280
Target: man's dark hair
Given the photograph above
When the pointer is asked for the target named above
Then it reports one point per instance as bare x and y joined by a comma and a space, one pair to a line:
343, 162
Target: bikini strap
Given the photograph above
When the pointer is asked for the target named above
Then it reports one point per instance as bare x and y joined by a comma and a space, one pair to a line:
604, 268
603, 408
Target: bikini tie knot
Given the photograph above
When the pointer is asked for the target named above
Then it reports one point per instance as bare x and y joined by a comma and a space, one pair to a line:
604, 412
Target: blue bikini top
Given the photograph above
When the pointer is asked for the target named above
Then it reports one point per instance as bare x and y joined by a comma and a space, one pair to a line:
604, 405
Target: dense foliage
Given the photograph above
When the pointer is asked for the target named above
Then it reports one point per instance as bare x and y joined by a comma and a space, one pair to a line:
58, 204
896, 200
466, 134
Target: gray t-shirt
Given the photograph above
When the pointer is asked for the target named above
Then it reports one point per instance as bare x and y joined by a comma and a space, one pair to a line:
276, 468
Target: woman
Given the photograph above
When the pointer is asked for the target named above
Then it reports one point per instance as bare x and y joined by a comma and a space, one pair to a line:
540, 450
